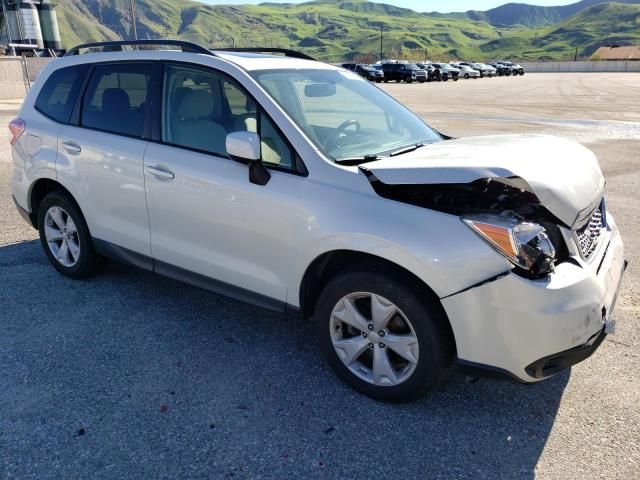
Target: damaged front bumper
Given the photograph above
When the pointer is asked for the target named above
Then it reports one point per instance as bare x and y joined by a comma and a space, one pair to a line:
531, 329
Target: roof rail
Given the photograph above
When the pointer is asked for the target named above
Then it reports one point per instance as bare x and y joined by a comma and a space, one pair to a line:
117, 46
285, 51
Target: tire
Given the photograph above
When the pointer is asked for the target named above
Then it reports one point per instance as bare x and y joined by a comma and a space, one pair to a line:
445, 78
466, 75
86, 261
432, 349
455, 79
421, 81
409, 80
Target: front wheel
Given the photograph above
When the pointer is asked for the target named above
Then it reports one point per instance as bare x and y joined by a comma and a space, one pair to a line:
381, 336
65, 237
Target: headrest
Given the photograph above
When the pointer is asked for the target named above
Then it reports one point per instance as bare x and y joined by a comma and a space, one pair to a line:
196, 104
115, 99
250, 106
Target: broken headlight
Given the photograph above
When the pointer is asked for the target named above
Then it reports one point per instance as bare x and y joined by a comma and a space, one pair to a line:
527, 245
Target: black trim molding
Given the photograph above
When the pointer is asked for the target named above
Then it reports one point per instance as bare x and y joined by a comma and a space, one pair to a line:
128, 257
552, 364
29, 218
481, 370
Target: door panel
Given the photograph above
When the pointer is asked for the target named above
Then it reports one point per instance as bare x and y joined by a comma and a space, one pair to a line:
107, 179
102, 159
209, 219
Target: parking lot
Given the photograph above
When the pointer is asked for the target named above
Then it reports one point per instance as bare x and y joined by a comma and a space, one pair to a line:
132, 375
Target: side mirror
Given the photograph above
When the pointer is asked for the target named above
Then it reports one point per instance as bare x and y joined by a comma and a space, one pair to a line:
315, 90
244, 147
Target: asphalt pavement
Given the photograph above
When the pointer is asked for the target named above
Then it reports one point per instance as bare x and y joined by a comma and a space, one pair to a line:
132, 375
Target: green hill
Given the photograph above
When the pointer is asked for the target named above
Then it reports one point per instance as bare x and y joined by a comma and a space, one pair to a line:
512, 14
335, 30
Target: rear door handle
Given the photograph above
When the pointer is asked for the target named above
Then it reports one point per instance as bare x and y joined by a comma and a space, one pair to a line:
72, 147
160, 172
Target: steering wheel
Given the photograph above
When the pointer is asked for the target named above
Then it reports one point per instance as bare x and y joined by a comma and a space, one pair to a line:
333, 140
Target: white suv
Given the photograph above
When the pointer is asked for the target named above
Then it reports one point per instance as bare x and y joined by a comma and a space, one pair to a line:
303, 188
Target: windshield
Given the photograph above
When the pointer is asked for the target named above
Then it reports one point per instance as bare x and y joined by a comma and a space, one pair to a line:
343, 114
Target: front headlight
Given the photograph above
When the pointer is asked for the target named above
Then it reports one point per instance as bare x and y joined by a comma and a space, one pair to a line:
527, 245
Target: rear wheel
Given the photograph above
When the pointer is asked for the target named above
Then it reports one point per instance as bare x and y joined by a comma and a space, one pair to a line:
65, 237
381, 336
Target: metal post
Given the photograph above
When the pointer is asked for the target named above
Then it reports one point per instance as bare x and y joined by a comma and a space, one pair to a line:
133, 20
575, 58
381, 29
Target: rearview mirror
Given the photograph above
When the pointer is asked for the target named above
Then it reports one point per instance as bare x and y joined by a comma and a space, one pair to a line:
244, 147
319, 90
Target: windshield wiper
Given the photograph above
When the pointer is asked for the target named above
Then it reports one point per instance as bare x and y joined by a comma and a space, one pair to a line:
350, 161
408, 149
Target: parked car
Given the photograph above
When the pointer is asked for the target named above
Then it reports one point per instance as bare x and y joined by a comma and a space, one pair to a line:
403, 72
409, 250
503, 70
433, 74
468, 72
488, 70
447, 71
516, 69
485, 70
365, 71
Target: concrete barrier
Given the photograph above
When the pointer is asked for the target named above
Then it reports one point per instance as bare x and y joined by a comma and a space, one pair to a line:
582, 66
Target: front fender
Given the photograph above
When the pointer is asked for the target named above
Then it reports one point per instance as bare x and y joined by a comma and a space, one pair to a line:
445, 255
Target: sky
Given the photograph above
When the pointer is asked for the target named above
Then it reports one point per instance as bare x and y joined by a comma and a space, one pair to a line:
427, 5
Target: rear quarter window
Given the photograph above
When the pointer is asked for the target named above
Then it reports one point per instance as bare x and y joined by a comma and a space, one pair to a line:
60, 92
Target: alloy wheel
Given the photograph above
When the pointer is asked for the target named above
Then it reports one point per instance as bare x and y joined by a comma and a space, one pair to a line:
62, 236
374, 339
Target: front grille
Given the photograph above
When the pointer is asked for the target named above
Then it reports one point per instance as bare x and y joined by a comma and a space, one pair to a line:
589, 235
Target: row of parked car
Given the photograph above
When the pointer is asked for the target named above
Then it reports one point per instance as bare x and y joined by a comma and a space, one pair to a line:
429, 72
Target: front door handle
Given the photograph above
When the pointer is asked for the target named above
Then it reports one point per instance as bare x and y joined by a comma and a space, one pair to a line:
160, 172
71, 147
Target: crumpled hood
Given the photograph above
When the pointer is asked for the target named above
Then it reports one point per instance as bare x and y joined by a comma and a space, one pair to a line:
564, 175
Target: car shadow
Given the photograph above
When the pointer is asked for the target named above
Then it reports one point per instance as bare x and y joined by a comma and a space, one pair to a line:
130, 373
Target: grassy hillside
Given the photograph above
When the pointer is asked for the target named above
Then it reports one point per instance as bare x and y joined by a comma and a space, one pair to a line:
512, 14
336, 30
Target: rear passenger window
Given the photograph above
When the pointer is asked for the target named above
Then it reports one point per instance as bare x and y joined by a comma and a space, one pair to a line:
60, 92
117, 98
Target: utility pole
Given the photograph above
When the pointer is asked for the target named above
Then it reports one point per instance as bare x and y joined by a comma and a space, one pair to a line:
575, 58
381, 29
133, 20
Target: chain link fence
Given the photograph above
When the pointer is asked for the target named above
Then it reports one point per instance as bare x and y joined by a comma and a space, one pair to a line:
17, 74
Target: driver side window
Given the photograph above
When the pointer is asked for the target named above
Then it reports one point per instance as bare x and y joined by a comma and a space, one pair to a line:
201, 107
